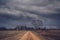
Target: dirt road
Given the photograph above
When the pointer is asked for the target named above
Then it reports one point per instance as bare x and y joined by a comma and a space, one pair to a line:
30, 36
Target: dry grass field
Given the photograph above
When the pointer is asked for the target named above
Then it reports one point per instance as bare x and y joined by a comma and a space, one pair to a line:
49, 34
11, 35
30, 35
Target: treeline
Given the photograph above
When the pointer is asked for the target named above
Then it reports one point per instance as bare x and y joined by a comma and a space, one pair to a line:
3, 28
20, 28
25, 28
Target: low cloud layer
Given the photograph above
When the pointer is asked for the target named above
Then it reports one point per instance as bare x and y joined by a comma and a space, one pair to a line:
16, 11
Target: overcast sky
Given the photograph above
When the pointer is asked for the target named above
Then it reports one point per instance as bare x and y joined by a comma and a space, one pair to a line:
17, 12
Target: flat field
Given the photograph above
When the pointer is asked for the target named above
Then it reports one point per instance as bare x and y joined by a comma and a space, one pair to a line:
30, 35
49, 34
11, 35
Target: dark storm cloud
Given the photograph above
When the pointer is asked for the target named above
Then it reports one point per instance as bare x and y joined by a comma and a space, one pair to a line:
58, 10
27, 10
7, 17
52, 16
3, 2
13, 17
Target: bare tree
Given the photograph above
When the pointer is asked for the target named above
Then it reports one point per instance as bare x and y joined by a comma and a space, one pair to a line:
37, 23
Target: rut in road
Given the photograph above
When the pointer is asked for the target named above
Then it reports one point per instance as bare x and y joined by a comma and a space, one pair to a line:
30, 36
